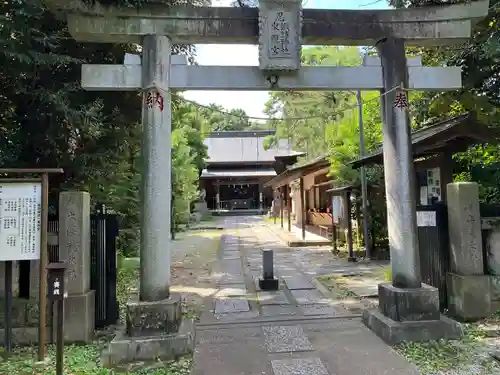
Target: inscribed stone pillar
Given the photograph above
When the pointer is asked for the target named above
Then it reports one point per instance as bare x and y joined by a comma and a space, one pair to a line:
156, 175
74, 248
74, 239
464, 222
398, 166
469, 290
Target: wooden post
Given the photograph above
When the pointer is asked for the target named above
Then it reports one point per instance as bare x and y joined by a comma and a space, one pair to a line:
289, 206
358, 222
348, 208
282, 189
44, 224
302, 209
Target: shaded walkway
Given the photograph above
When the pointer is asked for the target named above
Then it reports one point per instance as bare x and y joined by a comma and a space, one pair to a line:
296, 330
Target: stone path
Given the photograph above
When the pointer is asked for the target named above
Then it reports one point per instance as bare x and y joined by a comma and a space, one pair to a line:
293, 331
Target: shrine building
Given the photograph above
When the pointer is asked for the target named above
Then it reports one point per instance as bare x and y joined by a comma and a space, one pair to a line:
238, 167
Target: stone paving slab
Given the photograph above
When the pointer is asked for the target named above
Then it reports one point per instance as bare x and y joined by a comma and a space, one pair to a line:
319, 310
297, 282
309, 297
231, 305
285, 339
278, 310
235, 317
299, 366
224, 336
236, 358
347, 347
272, 298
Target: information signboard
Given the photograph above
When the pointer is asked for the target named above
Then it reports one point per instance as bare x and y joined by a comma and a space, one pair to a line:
336, 209
20, 220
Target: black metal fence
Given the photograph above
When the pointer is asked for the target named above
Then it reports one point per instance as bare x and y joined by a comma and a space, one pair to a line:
434, 247
103, 269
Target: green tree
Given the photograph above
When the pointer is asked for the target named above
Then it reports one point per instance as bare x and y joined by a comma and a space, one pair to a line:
47, 120
220, 119
305, 116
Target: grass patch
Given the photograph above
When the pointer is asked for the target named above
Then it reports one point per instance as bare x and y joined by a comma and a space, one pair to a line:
465, 356
84, 360
337, 287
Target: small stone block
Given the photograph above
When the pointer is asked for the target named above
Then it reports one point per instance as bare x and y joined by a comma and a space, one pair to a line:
299, 366
409, 304
231, 305
268, 264
469, 297
269, 284
394, 332
154, 318
123, 349
272, 298
285, 339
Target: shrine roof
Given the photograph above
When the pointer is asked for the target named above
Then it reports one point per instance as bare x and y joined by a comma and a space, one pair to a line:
262, 172
297, 171
244, 147
455, 135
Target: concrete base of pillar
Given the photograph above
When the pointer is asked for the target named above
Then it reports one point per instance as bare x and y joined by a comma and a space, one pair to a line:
124, 349
269, 284
410, 315
154, 330
154, 318
79, 317
469, 297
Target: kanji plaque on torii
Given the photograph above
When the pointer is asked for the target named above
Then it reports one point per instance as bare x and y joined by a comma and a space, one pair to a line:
280, 29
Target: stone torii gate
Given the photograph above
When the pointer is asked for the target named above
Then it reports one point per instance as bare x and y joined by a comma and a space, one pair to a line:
408, 309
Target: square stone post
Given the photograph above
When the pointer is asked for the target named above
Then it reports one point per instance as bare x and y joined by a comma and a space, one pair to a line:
154, 324
469, 289
408, 310
74, 248
156, 189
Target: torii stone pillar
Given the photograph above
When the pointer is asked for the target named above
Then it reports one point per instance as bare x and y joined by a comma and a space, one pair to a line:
408, 310
156, 189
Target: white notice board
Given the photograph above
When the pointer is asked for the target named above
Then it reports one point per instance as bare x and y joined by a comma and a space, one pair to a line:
20, 220
426, 218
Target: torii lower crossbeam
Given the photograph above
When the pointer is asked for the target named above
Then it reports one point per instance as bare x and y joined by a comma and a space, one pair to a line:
250, 78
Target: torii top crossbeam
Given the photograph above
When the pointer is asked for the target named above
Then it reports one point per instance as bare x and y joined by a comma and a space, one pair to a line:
433, 25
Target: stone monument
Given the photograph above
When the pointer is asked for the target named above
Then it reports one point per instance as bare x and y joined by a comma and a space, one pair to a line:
201, 206
74, 249
469, 289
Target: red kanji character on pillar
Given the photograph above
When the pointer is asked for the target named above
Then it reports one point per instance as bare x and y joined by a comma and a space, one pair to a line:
401, 100
159, 101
